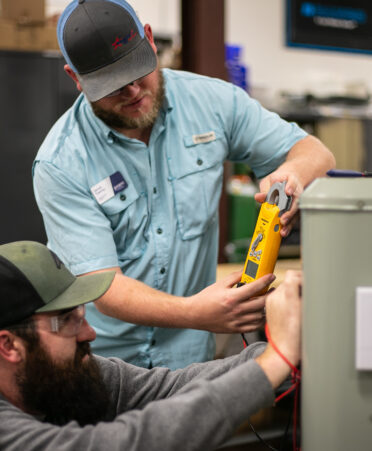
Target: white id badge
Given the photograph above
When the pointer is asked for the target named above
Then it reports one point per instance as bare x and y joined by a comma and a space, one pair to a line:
103, 191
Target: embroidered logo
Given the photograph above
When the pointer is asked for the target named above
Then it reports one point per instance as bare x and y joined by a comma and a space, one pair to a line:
204, 138
120, 41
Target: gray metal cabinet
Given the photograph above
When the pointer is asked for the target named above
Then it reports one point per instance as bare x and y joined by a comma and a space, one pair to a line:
34, 92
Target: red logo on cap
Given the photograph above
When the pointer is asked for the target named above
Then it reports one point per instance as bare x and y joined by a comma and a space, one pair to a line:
120, 41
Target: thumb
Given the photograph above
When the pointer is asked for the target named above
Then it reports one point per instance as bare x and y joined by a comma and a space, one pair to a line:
232, 279
260, 197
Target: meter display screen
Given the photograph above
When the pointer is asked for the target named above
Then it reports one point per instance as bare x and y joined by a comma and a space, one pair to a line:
251, 269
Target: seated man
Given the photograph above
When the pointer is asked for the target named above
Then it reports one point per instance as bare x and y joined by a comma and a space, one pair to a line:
54, 394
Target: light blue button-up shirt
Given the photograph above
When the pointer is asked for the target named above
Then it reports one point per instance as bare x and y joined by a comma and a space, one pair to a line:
162, 228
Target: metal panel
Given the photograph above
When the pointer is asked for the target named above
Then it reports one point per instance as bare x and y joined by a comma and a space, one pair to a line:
34, 92
336, 252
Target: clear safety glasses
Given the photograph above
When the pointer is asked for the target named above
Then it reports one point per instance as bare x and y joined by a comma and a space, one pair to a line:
67, 324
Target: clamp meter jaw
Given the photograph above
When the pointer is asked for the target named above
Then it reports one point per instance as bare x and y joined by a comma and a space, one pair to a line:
264, 248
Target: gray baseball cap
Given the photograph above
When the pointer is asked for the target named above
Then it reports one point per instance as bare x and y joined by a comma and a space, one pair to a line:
105, 44
34, 280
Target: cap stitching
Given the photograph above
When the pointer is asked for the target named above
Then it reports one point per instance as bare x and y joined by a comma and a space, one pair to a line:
114, 60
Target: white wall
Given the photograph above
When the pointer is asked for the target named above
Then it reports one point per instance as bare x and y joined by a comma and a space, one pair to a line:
164, 16
259, 26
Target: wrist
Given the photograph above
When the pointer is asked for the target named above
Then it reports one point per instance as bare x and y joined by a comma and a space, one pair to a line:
275, 368
288, 355
190, 312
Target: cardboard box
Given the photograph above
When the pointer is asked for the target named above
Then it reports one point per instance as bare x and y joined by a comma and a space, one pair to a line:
32, 38
36, 38
23, 11
7, 34
49, 39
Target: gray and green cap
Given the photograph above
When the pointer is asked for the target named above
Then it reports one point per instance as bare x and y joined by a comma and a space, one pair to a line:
34, 280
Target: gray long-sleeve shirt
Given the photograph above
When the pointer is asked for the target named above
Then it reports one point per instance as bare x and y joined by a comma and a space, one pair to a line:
195, 408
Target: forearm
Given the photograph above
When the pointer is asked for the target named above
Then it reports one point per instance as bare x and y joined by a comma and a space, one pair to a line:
219, 308
274, 367
135, 302
308, 159
134, 387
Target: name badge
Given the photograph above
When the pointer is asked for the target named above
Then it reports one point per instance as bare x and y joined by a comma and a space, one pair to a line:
204, 138
108, 187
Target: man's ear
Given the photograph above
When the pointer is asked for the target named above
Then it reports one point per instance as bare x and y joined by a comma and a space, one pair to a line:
12, 347
72, 75
150, 37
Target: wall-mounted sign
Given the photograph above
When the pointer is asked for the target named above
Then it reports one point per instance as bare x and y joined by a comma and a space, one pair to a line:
343, 25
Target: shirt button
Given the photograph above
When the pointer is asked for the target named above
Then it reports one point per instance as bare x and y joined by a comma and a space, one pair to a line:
199, 162
159, 231
153, 342
162, 270
123, 196
154, 190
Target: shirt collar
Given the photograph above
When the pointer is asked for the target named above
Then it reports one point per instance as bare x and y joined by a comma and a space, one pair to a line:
104, 129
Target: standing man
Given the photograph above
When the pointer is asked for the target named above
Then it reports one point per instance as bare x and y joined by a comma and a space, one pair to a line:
56, 395
130, 178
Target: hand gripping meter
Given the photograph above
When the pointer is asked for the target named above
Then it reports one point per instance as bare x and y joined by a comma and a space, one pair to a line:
264, 248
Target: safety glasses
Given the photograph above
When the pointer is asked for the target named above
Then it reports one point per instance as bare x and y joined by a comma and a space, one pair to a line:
66, 324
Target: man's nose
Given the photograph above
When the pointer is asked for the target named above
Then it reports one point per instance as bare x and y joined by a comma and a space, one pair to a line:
86, 333
130, 90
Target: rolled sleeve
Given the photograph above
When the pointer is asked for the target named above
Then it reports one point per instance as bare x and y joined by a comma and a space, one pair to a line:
260, 137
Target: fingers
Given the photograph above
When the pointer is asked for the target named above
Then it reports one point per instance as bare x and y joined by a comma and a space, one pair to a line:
253, 306
293, 274
250, 318
293, 188
293, 282
260, 197
251, 327
288, 220
289, 291
265, 184
293, 278
249, 322
252, 289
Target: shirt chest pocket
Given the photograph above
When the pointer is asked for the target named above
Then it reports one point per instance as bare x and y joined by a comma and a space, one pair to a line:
128, 216
197, 175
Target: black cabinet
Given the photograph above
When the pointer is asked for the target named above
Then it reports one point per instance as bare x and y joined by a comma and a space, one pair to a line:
34, 92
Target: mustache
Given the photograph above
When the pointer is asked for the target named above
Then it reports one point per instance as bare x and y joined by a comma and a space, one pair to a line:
144, 93
82, 349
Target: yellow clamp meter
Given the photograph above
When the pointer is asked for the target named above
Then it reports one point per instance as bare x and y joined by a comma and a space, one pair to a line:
264, 248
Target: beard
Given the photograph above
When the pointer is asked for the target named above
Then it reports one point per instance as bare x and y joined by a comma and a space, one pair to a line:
146, 120
62, 392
